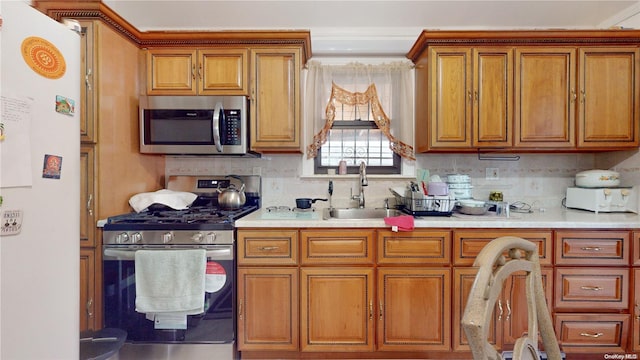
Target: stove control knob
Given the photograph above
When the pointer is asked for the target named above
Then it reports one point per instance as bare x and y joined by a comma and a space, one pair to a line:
122, 238
211, 238
167, 237
136, 237
197, 237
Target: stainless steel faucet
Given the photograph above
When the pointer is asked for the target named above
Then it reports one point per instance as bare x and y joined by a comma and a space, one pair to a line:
363, 182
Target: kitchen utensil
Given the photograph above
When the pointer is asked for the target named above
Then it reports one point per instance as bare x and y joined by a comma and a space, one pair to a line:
597, 178
231, 197
473, 207
305, 203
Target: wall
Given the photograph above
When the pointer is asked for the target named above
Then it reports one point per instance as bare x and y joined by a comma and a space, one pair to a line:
538, 179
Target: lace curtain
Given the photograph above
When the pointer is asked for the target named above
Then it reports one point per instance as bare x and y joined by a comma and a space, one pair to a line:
389, 88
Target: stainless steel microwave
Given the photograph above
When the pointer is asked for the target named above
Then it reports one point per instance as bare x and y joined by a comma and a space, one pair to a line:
205, 125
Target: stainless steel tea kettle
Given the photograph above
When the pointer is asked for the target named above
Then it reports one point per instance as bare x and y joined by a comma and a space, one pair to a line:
231, 197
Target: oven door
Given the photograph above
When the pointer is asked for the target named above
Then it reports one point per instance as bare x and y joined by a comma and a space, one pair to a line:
215, 325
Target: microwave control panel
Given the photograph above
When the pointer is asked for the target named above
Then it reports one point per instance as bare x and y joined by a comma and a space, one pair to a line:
230, 127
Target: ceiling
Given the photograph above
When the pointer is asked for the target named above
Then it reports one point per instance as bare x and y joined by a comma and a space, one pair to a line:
361, 27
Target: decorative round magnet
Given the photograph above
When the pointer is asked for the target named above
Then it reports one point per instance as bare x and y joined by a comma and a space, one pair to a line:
43, 57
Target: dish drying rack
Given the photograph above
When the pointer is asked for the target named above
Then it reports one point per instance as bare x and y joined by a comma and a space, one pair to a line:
417, 204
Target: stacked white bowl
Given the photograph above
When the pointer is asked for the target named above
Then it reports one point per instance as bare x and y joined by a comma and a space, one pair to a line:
460, 186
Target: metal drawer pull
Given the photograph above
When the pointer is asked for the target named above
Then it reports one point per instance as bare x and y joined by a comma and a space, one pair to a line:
371, 310
591, 248
268, 248
500, 307
594, 288
596, 335
380, 314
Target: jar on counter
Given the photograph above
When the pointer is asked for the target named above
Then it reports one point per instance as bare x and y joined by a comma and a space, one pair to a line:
342, 167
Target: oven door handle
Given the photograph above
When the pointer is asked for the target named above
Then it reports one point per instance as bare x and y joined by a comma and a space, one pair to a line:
121, 254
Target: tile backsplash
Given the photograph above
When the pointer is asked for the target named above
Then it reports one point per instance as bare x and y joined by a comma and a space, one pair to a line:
537, 179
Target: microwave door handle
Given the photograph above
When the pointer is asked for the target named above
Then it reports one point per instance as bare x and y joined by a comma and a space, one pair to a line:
217, 113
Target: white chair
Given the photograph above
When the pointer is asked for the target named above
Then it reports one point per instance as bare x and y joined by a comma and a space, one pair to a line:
493, 268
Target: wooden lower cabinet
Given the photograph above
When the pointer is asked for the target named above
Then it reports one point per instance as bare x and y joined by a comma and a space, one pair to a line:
414, 309
592, 333
510, 319
337, 309
87, 289
328, 293
268, 308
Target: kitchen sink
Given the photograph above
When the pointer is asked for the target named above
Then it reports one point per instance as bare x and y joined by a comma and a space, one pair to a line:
359, 213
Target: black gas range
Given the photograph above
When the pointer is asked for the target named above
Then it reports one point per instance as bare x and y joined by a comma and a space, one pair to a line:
162, 225
203, 225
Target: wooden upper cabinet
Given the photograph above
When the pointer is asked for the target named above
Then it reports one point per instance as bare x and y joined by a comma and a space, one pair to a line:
88, 99
450, 98
545, 94
275, 100
608, 97
527, 91
471, 97
492, 97
197, 72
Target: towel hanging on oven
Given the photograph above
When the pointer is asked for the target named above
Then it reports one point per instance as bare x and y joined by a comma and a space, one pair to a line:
170, 281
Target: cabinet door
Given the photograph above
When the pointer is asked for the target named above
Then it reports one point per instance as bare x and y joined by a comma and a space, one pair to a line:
275, 100
450, 88
608, 98
492, 97
515, 317
88, 115
545, 97
267, 309
87, 289
223, 72
636, 310
337, 309
171, 72
463, 279
414, 312
87, 201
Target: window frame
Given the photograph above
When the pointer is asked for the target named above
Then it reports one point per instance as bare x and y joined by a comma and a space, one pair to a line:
395, 169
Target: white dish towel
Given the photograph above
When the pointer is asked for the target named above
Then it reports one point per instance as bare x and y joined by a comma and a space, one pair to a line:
170, 281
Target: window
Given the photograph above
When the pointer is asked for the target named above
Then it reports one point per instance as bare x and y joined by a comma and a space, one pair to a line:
350, 121
354, 141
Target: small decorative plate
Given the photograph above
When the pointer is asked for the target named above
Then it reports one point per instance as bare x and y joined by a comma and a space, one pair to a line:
43, 57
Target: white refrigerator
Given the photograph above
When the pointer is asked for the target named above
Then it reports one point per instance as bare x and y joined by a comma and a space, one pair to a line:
39, 185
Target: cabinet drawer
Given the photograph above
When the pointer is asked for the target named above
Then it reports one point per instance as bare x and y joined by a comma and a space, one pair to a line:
339, 246
591, 333
467, 244
592, 288
423, 247
592, 247
273, 247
